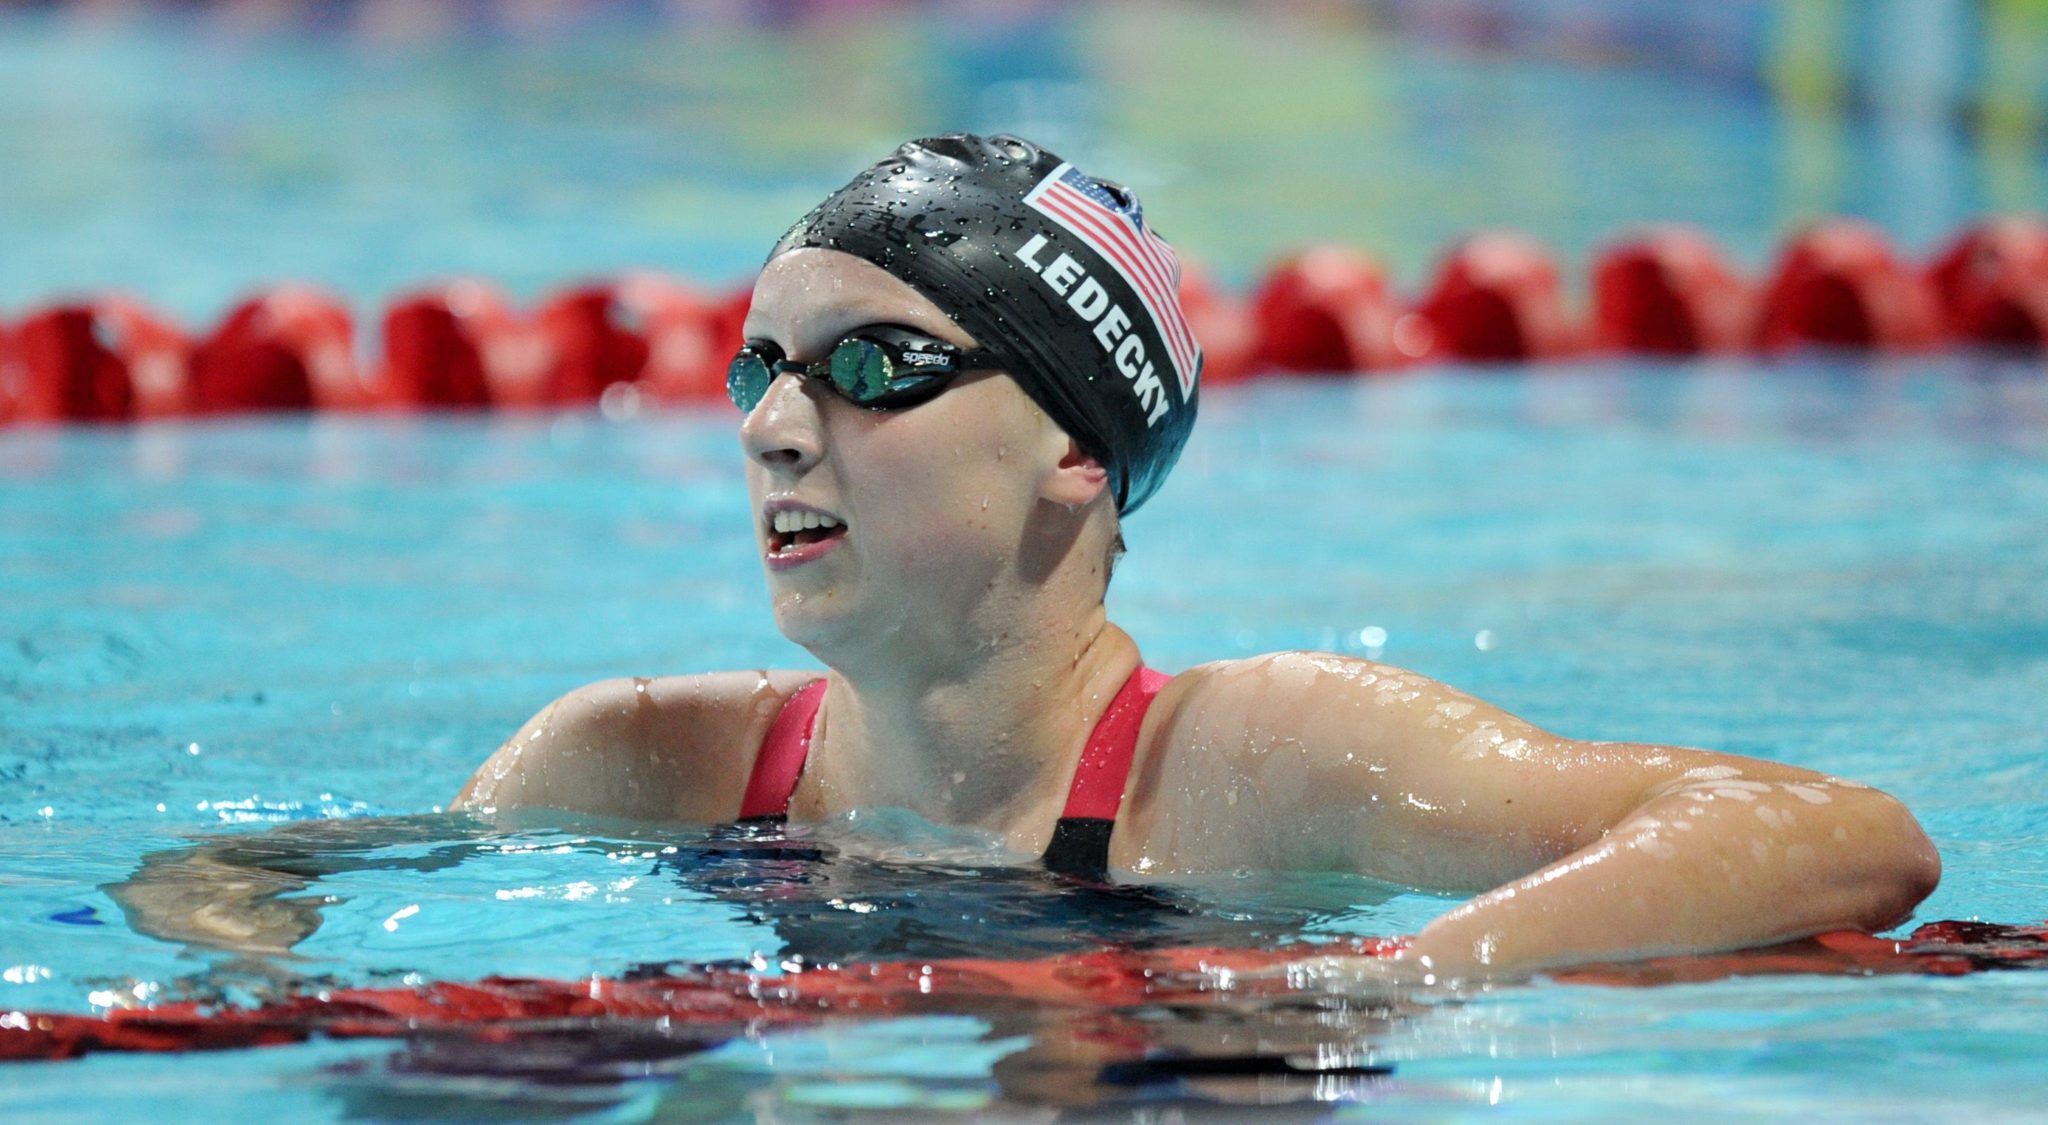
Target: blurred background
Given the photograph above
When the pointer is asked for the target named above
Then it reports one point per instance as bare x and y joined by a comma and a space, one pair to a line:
190, 152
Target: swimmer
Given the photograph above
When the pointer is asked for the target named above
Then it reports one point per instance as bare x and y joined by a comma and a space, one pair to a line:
962, 371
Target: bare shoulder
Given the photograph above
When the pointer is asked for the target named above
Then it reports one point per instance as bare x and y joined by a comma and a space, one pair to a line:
1316, 760
1310, 700
671, 748
1241, 760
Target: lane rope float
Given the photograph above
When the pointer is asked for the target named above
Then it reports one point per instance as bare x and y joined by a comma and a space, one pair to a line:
1497, 298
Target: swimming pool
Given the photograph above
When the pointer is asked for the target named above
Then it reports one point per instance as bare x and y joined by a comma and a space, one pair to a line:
189, 154
221, 627
228, 625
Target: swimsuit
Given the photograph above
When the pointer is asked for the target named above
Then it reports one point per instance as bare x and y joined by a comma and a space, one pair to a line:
1080, 841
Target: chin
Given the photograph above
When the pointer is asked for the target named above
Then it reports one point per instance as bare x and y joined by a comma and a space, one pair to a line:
809, 619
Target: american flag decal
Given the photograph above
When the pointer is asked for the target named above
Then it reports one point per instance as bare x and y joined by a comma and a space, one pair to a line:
1088, 212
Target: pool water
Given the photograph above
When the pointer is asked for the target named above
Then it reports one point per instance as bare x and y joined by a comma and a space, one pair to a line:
190, 155
283, 631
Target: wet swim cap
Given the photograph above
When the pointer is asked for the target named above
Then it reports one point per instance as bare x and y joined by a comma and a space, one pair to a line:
1049, 268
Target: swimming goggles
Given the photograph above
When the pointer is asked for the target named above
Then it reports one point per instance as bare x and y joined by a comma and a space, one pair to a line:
879, 367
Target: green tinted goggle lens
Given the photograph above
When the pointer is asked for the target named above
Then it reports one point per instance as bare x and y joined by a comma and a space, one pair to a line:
861, 370
746, 380
885, 370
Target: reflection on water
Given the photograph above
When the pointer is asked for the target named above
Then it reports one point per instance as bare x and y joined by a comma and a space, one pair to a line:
825, 895
1136, 1023
906, 893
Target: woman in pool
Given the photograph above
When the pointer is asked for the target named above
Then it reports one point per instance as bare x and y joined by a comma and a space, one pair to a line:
961, 371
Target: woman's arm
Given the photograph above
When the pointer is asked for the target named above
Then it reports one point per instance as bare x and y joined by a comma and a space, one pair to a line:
676, 749
1582, 851
1723, 857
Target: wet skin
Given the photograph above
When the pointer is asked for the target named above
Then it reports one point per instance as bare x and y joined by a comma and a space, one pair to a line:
958, 604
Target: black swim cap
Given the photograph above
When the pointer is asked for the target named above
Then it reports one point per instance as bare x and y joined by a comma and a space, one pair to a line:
1051, 269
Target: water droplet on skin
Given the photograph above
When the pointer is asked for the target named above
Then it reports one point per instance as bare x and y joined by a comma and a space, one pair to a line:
1712, 773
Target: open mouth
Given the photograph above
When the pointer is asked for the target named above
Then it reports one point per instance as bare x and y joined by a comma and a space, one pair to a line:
791, 530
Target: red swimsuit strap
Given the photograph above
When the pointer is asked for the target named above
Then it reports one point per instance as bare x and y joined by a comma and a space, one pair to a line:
783, 751
1105, 767
1099, 778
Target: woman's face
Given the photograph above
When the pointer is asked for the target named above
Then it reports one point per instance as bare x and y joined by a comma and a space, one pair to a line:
929, 502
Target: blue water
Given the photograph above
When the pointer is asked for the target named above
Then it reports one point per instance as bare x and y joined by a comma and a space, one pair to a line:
218, 627
296, 636
192, 157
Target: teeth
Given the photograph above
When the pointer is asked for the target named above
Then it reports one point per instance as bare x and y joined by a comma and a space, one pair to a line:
789, 522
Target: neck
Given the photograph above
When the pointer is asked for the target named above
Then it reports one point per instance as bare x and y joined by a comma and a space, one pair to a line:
984, 735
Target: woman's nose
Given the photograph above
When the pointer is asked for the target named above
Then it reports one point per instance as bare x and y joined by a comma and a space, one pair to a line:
784, 429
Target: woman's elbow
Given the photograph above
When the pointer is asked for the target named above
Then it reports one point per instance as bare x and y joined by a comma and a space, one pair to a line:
1908, 867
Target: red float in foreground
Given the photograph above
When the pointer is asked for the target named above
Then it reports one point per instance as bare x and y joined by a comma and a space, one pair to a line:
595, 342
157, 352
450, 345
1498, 297
1222, 324
1992, 282
1328, 309
727, 1003
644, 330
686, 337
1839, 284
291, 348
12, 374
58, 370
1668, 290
102, 359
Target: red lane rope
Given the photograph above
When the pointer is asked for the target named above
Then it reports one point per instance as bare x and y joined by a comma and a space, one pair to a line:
1497, 297
729, 998
712, 996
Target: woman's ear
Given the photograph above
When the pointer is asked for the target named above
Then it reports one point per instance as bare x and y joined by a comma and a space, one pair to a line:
1077, 478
